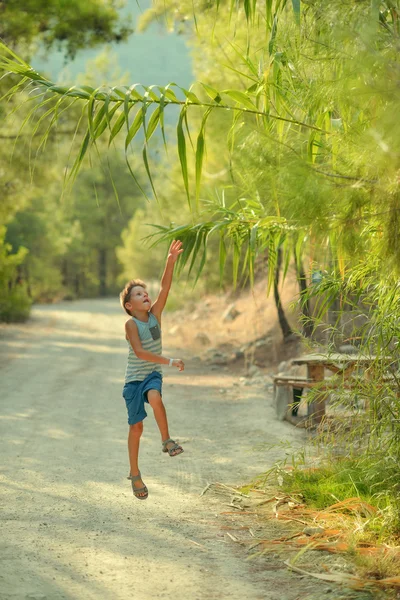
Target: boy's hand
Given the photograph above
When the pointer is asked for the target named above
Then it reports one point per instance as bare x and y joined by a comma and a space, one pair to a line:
175, 250
178, 363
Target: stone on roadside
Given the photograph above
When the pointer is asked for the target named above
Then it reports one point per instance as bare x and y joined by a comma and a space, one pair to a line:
253, 371
203, 339
219, 358
237, 355
231, 313
175, 330
263, 343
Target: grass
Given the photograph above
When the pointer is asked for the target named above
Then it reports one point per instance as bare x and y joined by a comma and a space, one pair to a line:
373, 522
348, 514
344, 479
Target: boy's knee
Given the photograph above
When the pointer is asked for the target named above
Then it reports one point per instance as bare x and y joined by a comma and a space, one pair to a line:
137, 428
154, 398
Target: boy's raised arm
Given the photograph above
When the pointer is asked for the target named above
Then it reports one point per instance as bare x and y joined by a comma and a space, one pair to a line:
174, 251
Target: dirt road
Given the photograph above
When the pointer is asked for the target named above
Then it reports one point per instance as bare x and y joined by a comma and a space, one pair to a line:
70, 525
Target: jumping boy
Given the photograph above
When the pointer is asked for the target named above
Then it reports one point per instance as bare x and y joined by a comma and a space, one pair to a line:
143, 376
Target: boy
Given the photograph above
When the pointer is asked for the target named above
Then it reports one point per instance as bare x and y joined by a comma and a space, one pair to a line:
143, 376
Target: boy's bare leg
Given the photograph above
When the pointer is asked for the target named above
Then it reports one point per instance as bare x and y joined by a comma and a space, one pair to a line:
160, 414
135, 431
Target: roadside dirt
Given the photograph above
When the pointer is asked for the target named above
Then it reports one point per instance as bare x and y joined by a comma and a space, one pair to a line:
71, 527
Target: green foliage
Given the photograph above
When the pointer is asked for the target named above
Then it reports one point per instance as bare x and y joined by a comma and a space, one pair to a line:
244, 227
343, 479
14, 301
365, 430
70, 25
313, 103
39, 231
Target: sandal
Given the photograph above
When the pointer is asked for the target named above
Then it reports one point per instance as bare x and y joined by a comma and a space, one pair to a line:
174, 450
136, 490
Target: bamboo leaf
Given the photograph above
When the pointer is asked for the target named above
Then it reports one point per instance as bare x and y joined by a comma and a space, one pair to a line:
200, 146
198, 242
134, 128
248, 9
273, 35
240, 97
162, 107
80, 157
203, 259
212, 93
153, 122
171, 95
146, 164
268, 12
252, 251
191, 96
236, 260
182, 152
222, 256
117, 127
296, 9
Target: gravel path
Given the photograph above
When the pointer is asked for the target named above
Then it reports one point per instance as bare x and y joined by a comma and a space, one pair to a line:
70, 525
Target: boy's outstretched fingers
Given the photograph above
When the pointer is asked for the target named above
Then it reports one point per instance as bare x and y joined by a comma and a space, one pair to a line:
175, 250
178, 363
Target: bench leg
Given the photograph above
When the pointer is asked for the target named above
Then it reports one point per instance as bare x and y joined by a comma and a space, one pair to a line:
316, 409
282, 401
297, 393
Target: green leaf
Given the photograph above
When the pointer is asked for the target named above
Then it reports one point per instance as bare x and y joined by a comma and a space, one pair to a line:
80, 157
222, 257
117, 127
200, 146
182, 152
212, 93
199, 240
162, 108
134, 128
236, 259
191, 96
203, 259
153, 122
268, 12
252, 251
147, 167
273, 36
171, 95
296, 9
240, 97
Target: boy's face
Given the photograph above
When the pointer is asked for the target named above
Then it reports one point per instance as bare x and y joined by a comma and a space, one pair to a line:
138, 300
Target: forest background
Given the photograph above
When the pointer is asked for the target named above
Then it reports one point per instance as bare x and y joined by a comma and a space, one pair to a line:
88, 242
284, 155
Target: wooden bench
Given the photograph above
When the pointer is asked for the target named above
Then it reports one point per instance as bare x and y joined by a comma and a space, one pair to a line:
288, 390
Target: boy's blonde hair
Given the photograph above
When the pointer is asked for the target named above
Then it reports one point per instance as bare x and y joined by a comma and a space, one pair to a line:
124, 295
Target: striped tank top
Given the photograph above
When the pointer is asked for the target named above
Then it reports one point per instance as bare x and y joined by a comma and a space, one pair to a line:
138, 369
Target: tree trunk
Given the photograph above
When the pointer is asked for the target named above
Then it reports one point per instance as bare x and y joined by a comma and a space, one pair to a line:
304, 303
102, 272
284, 325
64, 271
77, 284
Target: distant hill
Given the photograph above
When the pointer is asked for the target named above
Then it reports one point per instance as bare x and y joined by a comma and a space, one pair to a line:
153, 57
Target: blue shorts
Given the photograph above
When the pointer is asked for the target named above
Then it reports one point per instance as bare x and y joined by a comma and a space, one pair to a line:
135, 395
